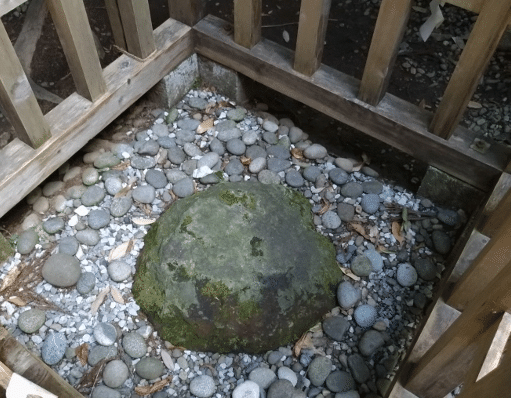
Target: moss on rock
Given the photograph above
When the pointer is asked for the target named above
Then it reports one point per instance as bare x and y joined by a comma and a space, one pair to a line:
239, 266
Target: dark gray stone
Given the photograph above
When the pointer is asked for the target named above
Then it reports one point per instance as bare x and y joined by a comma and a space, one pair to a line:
156, 178
335, 327
184, 187
441, 242
370, 342
281, 389
370, 203
276, 165
176, 155
345, 211
93, 196
89, 237
340, 381
144, 194
86, 283
425, 268
319, 369
188, 124
359, 369
294, 178
98, 219
142, 163
372, 186
361, 266
149, 368
352, 190
53, 225
255, 151
338, 176
61, 270
27, 241
234, 167
348, 295
149, 148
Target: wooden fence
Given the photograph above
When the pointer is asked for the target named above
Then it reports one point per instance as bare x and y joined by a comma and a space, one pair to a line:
468, 327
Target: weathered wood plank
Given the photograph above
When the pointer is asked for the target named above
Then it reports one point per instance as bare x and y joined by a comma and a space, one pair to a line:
9, 5
114, 16
75, 35
388, 34
492, 259
311, 35
188, 12
17, 98
137, 27
476, 55
498, 204
445, 364
126, 79
247, 22
394, 121
21, 361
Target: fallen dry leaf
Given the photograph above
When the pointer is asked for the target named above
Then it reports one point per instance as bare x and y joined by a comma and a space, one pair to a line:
122, 166
324, 208
82, 352
347, 272
144, 221
123, 191
245, 160
383, 249
360, 230
99, 300
116, 295
358, 167
10, 277
304, 342
17, 301
119, 252
167, 360
297, 153
205, 126
396, 231
474, 105
146, 390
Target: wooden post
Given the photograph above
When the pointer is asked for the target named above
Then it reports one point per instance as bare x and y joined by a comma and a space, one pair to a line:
485, 267
114, 17
247, 22
137, 27
483, 41
187, 11
446, 363
493, 221
311, 35
17, 98
388, 34
75, 35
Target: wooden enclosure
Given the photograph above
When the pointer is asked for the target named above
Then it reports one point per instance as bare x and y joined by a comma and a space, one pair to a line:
475, 298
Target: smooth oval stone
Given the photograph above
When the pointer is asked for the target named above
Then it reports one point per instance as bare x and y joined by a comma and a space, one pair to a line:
31, 321
134, 345
120, 206
315, 151
331, 220
270, 126
156, 178
441, 242
101, 352
279, 151
217, 147
192, 149
263, 377
370, 342
352, 190
230, 134
86, 283
372, 186
340, 381
296, 134
142, 163
365, 315
345, 211
61, 270
54, 348
425, 268
345, 164
90, 176
311, 173
375, 258
176, 155
270, 138
338, 176
184, 187
319, 369
234, 167
107, 159
105, 334
285, 373
210, 159
98, 219
257, 165
276, 164
105, 392
335, 327
166, 142
294, 178
89, 237
204, 386
53, 225
119, 271
359, 369
247, 389
236, 146
197, 102
448, 217
188, 124
149, 148
255, 151
184, 136
361, 266
93, 196
406, 275
115, 373
348, 295
237, 114
281, 389
160, 129
149, 368
52, 187
41, 205
370, 203
175, 175
27, 241
249, 137
144, 194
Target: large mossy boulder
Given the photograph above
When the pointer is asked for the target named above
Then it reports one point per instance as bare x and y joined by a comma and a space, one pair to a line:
238, 267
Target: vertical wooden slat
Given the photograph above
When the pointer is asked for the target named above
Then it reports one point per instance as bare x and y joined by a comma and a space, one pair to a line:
189, 12
114, 17
137, 26
75, 35
311, 35
485, 267
483, 41
17, 98
247, 22
493, 221
440, 369
388, 34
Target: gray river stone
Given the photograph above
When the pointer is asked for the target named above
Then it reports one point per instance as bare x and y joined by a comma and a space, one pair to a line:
276, 165
160, 129
255, 151
197, 102
149, 368
281, 389
52, 187
120, 206
270, 138
237, 248
294, 178
184, 136
359, 369
156, 178
192, 149
134, 345
105, 334
441, 242
119, 271
352, 190
115, 373
31, 321
61, 270
406, 275
335, 327
149, 148
105, 392
27, 241
345, 211
93, 196
370, 203
217, 147
100, 352
53, 225
375, 258
372, 186
331, 220
188, 124
361, 266
425, 268
340, 381
311, 173
89, 237
203, 386
236, 146
98, 219
90, 176
184, 187
319, 369
365, 315
166, 142
315, 151
257, 165
209, 159
370, 342
338, 176
86, 283
279, 151
142, 162
348, 295
263, 377
113, 185
54, 348
144, 194
176, 155
107, 159
175, 175
237, 114
227, 135
234, 167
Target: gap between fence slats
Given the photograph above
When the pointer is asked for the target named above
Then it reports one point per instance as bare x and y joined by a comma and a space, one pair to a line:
17, 98
388, 34
395, 121
137, 27
114, 17
485, 267
188, 12
72, 25
247, 22
311, 35
445, 364
76, 120
476, 55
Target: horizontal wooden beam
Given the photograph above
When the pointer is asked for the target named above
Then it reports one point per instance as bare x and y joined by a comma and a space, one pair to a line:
126, 80
9, 5
394, 121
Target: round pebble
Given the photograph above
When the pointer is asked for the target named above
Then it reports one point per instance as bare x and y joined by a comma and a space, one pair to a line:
375, 258
53, 225
370, 342
370, 203
105, 392
338, 176
351, 190
134, 345
149, 368
257, 165
61, 270
98, 219
319, 369
156, 178
284, 373
115, 373
27, 241
120, 206
281, 389
340, 381
372, 186
237, 114
294, 179
41, 205
107, 159
175, 175
144, 194
448, 217
345, 164
89, 237
230, 134
93, 196
276, 164
247, 389
184, 187
86, 283
119, 271
203, 386
441, 242
236, 146
359, 369
105, 334
143, 163
54, 348
100, 352
331, 220
90, 176
425, 268
31, 321
311, 173
263, 377
365, 315
52, 187
234, 167
361, 266
209, 159
249, 137
315, 151
345, 211
348, 295
406, 275
335, 327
